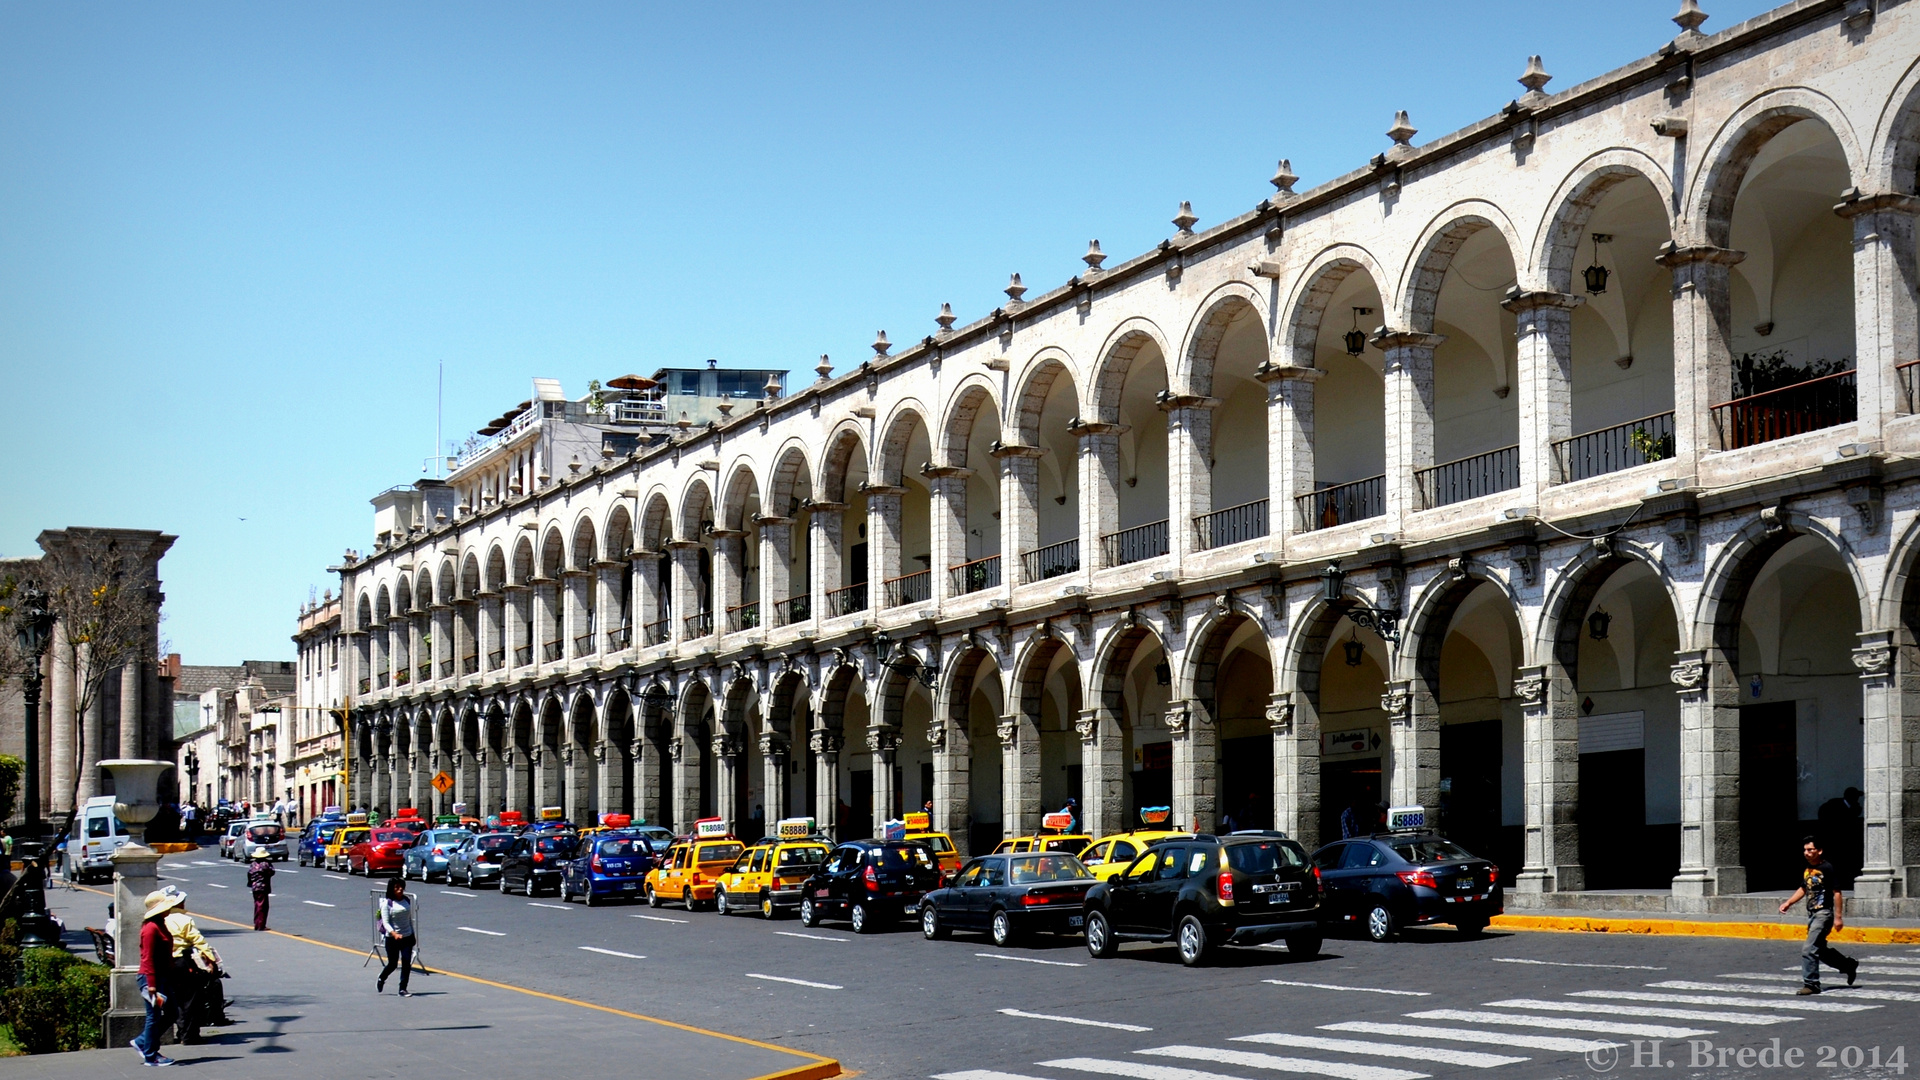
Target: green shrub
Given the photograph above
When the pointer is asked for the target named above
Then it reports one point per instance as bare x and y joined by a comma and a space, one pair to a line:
43, 967
59, 1003
10, 769
85, 988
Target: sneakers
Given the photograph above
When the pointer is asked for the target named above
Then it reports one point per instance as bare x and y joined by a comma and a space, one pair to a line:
1853, 969
161, 1061
380, 986
1806, 990
406, 993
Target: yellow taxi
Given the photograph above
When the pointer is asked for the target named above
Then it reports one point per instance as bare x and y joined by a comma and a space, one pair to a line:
770, 875
919, 827
354, 831
1109, 856
691, 869
1071, 843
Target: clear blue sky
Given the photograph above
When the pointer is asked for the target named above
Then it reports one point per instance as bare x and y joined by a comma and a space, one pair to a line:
236, 240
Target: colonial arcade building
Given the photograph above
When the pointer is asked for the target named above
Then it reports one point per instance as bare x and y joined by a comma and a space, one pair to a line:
1557, 474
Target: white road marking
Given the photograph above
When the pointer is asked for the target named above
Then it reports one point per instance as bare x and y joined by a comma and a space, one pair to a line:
554, 907
1027, 959
1749, 988
1356, 989
661, 918
1728, 1016
450, 892
203, 862
286, 871
1473, 1035
1563, 963
1795, 978
796, 982
1380, 1049
1798, 1004
983, 1074
212, 885
1073, 1020
1561, 1023
611, 952
477, 930
1890, 959
1289, 1064
1145, 1071
316, 903
790, 933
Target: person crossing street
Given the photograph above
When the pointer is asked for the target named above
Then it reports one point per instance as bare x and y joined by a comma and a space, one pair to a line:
260, 881
396, 930
1826, 913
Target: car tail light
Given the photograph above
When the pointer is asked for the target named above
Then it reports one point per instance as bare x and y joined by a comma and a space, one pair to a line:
539, 858
696, 877
1493, 875
439, 851
1316, 875
873, 880
595, 863
1033, 899
1225, 887
1418, 877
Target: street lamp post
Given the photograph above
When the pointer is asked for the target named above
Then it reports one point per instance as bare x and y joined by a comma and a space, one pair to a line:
33, 628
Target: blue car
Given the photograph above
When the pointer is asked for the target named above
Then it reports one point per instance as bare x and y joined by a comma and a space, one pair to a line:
606, 867
311, 848
427, 856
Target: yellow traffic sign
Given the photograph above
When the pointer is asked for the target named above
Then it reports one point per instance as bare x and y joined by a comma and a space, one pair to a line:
442, 782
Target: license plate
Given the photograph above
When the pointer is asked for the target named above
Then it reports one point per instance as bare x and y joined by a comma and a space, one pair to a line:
628, 886
1464, 885
1074, 920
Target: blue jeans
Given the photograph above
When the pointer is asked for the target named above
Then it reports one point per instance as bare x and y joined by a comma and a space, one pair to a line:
148, 1041
1819, 925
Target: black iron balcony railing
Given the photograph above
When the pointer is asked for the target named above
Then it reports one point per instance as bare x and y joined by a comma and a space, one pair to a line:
976, 575
496, 660
554, 651
915, 588
1235, 524
847, 601
1132, 545
446, 668
470, 663
1051, 561
1621, 446
1469, 477
656, 632
522, 655
698, 625
1908, 372
424, 673
1791, 410
743, 617
1342, 504
619, 639
797, 608
583, 645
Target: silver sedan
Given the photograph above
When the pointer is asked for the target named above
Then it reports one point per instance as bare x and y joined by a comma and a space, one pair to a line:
427, 857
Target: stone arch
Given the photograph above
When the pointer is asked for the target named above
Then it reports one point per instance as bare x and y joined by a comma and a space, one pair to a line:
963, 411
1732, 148
1427, 267
619, 533
1429, 616
656, 523
1896, 138
1116, 359
741, 487
585, 550
791, 475
522, 561
1716, 619
1036, 382
383, 605
1314, 290
844, 444
1227, 303
696, 510
446, 590
1574, 587
553, 554
891, 449
496, 578
403, 595
469, 576
1558, 239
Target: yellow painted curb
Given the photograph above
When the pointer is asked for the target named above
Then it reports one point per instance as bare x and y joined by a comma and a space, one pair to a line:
174, 849
1762, 931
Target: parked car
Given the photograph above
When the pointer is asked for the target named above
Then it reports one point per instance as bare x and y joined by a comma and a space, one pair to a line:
427, 856
605, 867
477, 858
532, 862
873, 883
1112, 854
1209, 891
270, 835
350, 834
1070, 843
1010, 896
311, 850
231, 837
97, 834
691, 870
1383, 883
657, 838
379, 852
769, 877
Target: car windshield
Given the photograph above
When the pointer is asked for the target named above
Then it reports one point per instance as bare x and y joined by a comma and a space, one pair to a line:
1265, 857
1072, 845
622, 847
718, 852
496, 842
554, 843
1032, 869
398, 835
808, 855
449, 836
938, 843
354, 837
901, 857
326, 832
265, 834
1429, 851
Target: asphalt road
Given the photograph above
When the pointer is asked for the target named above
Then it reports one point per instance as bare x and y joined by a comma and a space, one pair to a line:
893, 1005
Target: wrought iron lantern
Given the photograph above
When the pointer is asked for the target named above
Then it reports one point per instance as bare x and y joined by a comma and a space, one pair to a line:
1596, 275
1382, 621
1597, 623
892, 654
1356, 338
1355, 651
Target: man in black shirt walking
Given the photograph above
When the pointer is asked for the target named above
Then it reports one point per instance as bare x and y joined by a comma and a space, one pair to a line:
1825, 914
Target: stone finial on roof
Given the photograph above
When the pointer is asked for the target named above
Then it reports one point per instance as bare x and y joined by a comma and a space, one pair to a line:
1283, 179
1094, 256
824, 368
1402, 131
946, 318
1184, 219
880, 343
1535, 78
1690, 17
771, 388
1015, 290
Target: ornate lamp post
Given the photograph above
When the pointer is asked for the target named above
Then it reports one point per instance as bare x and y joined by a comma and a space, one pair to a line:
33, 628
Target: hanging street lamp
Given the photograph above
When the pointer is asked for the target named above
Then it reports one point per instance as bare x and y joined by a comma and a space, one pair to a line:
1596, 275
1356, 338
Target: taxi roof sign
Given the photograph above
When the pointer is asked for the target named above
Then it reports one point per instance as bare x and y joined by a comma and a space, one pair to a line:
918, 821
1059, 821
1155, 815
1403, 818
407, 812
711, 828
356, 818
794, 828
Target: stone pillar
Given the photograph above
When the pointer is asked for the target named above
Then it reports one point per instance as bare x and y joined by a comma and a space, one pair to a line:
135, 874
442, 652
1885, 304
492, 631
584, 777
1887, 698
686, 752
776, 567
1296, 767
948, 528
514, 771
60, 757
826, 744
645, 802
1709, 779
93, 746
1196, 765
1189, 468
827, 525
648, 598
1019, 509
1103, 768
576, 586
729, 577
545, 614
1409, 401
130, 726
730, 759
1099, 488
490, 795
1414, 765
883, 539
1020, 774
1290, 471
883, 742
687, 600
953, 774
1544, 328
1702, 360
773, 753
1551, 755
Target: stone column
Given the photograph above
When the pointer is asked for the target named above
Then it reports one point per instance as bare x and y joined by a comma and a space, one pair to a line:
776, 567
545, 618
1189, 467
686, 591
647, 594
514, 771
1884, 304
1551, 755
442, 651
1099, 488
773, 752
827, 525
1290, 471
490, 796
492, 616
1296, 767
1019, 509
1544, 328
93, 746
1414, 764
686, 753
883, 539
1702, 360
1709, 779
130, 727
645, 803
577, 761
1196, 765
826, 744
952, 776
729, 577
1020, 774
948, 528
1102, 772
1892, 839
59, 797
1409, 401
883, 742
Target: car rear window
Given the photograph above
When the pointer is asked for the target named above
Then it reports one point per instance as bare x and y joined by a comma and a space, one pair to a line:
623, 847
385, 835
718, 852
265, 834
449, 836
554, 843
1265, 857
1072, 845
900, 857
354, 837
1429, 851
1032, 869
938, 843
803, 856
326, 832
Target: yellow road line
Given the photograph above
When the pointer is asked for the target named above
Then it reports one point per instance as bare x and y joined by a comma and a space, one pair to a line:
818, 1068
1761, 931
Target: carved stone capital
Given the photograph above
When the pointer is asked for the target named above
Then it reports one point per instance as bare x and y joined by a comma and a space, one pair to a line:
1088, 725
1280, 717
824, 741
1007, 729
1688, 674
1873, 660
1530, 686
883, 740
1397, 703
1177, 718
600, 751
675, 749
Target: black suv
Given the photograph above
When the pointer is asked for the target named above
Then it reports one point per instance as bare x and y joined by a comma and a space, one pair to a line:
874, 882
1388, 881
1206, 891
534, 861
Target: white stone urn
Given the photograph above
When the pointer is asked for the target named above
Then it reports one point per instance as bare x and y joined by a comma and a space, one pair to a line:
136, 787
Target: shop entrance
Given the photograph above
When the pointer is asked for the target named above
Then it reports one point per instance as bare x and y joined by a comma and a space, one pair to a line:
1351, 783
1470, 788
1769, 800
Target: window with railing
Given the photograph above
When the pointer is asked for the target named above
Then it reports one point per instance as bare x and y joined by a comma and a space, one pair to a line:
1795, 409
656, 632
976, 575
1235, 524
915, 588
1342, 504
743, 617
424, 672
446, 668
583, 645
797, 608
1132, 545
619, 638
554, 651
1621, 446
847, 601
1469, 477
1052, 560
496, 660
699, 625
522, 655
471, 664
1908, 372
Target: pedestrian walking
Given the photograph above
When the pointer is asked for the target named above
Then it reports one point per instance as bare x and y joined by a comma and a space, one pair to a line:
260, 880
156, 974
1826, 913
396, 930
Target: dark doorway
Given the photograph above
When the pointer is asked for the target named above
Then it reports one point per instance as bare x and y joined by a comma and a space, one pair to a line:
857, 572
708, 784
926, 785
1470, 787
1246, 781
1153, 781
1769, 796
859, 820
1616, 848
1352, 783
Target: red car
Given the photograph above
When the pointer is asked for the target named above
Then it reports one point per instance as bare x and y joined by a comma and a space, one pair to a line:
379, 853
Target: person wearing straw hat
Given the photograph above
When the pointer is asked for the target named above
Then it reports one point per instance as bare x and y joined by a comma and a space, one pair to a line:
198, 996
260, 881
156, 973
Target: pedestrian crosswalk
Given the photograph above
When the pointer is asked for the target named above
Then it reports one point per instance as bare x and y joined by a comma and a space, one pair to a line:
1491, 1035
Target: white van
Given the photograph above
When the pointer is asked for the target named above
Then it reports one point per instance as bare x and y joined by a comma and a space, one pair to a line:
97, 834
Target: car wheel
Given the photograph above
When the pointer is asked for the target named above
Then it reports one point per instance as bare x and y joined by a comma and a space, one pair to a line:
566, 894
720, 903
1303, 946
1381, 924
1193, 941
469, 876
1100, 942
809, 915
767, 910
1001, 928
1471, 928
930, 927
653, 898
503, 883
586, 897
862, 919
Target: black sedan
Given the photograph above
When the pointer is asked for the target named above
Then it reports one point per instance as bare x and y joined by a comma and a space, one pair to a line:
873, 882
1009, 896
1386, 882
533, 861
1205, 891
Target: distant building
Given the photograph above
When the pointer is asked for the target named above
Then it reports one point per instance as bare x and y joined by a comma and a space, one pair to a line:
312, 722
227, 722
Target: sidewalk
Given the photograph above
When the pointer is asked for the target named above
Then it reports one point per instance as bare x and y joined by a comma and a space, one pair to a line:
308, 1010
1773, 927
